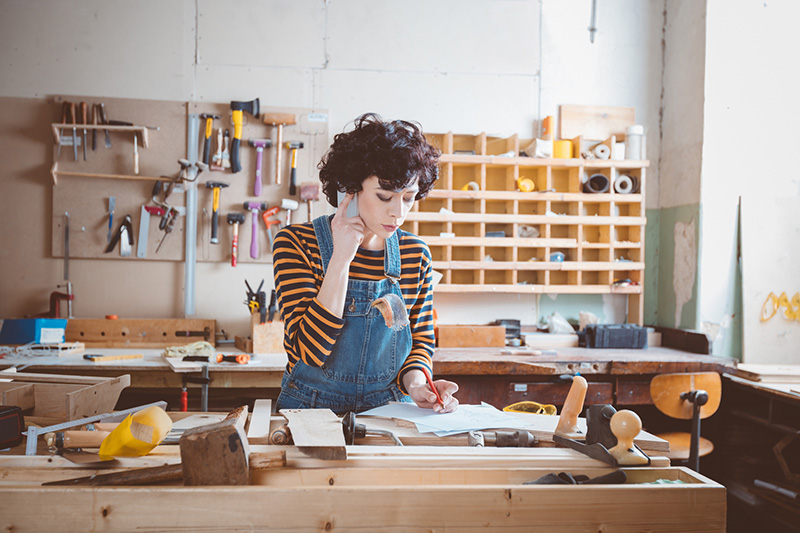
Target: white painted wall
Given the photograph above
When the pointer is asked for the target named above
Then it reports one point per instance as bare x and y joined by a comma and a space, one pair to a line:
461, 65
750, 137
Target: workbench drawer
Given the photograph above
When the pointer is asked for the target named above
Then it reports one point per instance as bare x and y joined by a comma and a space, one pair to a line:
556, 393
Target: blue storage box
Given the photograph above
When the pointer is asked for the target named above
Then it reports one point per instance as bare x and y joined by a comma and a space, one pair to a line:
37, 330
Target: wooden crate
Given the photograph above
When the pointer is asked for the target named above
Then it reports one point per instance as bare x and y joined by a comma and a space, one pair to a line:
414, 494
61, 397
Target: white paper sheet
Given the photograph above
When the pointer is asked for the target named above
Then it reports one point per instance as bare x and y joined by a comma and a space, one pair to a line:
465, 418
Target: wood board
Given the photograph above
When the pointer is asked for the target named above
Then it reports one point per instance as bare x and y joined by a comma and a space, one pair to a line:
769, 373
697, 505
137, 333
594, 122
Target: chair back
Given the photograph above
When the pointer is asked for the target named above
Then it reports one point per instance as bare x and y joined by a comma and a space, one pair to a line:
666, 390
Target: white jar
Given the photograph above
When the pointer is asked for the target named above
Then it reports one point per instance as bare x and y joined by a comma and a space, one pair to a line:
634, 140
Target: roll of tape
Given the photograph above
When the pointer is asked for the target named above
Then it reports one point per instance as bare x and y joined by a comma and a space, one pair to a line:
601, 151
623, 184
562, 149
596, 184
525, 185
471, 186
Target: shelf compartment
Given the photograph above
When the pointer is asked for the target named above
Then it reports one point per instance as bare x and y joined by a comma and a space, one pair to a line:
463, 175
590, 206
500, 179
466, 229
432, 205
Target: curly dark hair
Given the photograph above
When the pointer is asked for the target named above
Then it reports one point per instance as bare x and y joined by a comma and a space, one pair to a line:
396, 152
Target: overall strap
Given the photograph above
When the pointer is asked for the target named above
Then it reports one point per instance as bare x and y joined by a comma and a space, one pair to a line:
322, 228
391, 259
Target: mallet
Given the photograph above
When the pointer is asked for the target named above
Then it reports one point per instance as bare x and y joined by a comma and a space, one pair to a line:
254, 208
280, 120
234, 219
259, 145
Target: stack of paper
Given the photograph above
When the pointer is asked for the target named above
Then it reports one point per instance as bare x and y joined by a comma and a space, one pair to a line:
465, 418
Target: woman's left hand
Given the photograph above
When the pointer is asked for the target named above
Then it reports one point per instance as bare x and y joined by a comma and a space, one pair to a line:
420, 391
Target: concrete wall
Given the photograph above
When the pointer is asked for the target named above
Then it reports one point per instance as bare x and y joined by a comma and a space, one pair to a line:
466, 66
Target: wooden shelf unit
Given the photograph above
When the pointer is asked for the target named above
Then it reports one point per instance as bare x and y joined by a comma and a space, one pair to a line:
600, 235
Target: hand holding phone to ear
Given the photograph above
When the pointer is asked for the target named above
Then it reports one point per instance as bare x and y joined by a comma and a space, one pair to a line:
347, 229
352, 207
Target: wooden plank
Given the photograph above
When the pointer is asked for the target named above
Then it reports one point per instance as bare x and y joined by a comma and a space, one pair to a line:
681, 339
697, 506
18, 394
96, 399
139, 333
259, 428
318, 432
455, 336
771, 373
51, 378
595, 123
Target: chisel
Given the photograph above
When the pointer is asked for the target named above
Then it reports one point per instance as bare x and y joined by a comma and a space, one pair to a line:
84, 121
74, 119
104, 120
64, 111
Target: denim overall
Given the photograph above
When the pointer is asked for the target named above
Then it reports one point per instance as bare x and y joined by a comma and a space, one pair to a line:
361, 370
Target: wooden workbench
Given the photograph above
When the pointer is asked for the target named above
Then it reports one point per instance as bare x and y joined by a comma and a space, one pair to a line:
619, 377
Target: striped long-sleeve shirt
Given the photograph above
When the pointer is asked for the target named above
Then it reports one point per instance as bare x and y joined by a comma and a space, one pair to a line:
311, 330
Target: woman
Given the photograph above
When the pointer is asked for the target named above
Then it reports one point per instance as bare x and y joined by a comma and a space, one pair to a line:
343, 353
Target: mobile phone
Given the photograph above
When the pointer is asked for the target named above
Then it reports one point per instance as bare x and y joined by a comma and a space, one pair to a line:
352, 209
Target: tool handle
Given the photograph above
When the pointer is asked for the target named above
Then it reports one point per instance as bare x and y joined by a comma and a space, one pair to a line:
293, 182
235, 245
215, 216
214, 226
278, 155
235, 165
135, 155
206, 150
84, 113
259, 159
254, 237
95, 120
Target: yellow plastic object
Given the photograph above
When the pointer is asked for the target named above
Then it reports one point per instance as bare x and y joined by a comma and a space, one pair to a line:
525, 184
562, 149
138, 434
531, 407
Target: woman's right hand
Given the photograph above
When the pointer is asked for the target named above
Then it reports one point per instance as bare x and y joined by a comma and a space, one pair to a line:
348, 233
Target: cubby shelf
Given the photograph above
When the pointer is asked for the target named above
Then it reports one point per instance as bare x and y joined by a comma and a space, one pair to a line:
487, 236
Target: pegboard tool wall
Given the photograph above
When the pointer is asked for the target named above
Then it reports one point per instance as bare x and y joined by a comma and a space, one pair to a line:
86, 198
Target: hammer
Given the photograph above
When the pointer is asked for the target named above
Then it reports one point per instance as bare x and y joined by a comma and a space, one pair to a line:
234, 219
294, 146
215, 186
289, 205
280, 120
238, 108
254, 208
259, 145
207, 142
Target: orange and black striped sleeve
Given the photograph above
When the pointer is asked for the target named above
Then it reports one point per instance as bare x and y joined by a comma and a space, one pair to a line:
310, 329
